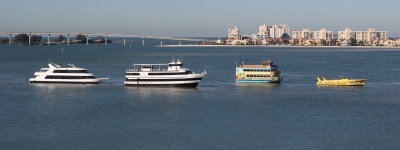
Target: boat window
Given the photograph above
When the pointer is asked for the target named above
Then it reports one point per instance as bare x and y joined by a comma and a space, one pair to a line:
257, 75
179, 73
132, 73
70, 71
163, 79
69, 77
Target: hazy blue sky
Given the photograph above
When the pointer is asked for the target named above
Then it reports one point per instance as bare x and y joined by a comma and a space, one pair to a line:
196, 18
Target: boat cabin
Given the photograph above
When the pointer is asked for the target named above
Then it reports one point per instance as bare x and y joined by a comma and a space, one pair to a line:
264, 64
147, 67
267, 63
174, 66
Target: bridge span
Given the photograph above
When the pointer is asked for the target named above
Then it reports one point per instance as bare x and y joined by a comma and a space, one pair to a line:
87, 34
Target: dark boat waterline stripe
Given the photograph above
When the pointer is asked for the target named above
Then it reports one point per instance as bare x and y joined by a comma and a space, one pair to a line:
169, 85
155, 80
64, 82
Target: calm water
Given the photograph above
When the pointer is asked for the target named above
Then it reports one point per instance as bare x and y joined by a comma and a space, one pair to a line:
218, 114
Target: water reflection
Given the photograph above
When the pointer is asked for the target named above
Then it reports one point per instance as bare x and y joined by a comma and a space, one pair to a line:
339, 87
265, 85
160, 93
259, 89
57, 91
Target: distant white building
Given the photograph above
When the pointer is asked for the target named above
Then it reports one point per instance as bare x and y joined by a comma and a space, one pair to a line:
263, 31
234, 33
305, 34
316, 35
346, 34
323, 34
369, 36
276, 31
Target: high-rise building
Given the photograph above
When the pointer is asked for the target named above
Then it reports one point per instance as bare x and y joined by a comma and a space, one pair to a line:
234, 33
276, 31
263, 31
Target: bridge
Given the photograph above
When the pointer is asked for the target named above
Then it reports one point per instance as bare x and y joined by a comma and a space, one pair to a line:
87, 34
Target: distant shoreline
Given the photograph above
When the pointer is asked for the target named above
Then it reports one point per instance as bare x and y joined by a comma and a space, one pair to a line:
286, 46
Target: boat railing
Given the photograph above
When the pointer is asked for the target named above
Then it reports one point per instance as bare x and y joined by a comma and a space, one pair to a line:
159, 70
132, 69
128, 70
204, 72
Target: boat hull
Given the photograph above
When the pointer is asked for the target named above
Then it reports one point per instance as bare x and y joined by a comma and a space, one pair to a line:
258, 81
341, 82
188, 82
85, 81
164, 85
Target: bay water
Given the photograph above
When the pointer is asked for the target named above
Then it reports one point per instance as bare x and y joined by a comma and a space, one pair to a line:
218, 114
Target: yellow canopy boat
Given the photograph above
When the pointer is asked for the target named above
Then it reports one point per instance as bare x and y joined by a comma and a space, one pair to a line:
342, 82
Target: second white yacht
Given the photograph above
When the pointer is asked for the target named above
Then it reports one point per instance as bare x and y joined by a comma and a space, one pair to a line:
170, 74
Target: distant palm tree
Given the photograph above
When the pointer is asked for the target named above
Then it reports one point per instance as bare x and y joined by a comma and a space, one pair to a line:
361, 43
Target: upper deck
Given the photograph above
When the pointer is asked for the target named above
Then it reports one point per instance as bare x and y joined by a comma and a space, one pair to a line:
172, 66
265, 64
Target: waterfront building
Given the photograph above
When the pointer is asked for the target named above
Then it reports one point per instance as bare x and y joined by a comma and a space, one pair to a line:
276, 31
316, 35
367, 36
323, 34
263, 31
234, 34
346, 34
305, 34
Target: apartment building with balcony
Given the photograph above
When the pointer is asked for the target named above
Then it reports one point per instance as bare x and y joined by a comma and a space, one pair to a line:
304, 34
322, 34
276, 31
317, 35
368, 36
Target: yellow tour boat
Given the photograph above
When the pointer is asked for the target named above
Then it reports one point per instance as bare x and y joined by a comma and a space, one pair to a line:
342, 82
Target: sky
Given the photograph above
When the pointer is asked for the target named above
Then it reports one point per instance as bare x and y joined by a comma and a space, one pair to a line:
196, 18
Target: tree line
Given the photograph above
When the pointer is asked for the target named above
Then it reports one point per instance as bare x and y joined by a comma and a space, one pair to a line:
24, 38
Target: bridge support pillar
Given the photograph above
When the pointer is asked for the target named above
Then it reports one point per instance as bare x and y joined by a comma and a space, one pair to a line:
124, 40
68, 40
87, 39
143, 41
9, 41
29, 38
180, 41
161, 41
106, 40
48, 40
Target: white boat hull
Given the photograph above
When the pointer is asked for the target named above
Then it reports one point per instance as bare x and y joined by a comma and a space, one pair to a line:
77, 81
191, 81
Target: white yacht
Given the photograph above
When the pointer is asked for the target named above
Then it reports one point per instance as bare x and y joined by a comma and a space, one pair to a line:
67, 74
345, 43
170, 74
